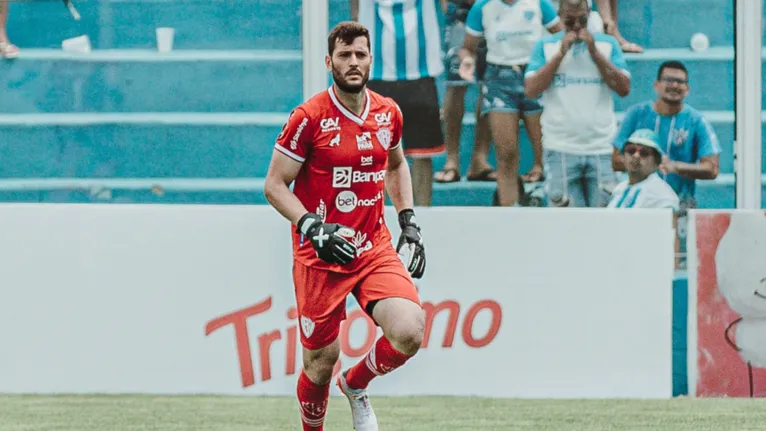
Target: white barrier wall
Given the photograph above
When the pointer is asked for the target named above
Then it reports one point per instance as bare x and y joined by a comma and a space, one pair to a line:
197, 299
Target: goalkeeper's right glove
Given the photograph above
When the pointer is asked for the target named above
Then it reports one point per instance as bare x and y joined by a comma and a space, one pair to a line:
329, 240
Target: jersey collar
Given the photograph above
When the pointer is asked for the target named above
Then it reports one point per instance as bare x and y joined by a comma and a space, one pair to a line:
346, 112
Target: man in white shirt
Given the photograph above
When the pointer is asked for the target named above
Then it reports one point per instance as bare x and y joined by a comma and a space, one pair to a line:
576, 72
642, 156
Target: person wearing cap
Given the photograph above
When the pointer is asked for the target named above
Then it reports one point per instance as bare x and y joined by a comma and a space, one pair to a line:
642, 157
688, 140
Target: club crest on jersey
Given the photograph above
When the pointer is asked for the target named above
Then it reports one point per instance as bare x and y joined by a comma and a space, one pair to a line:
383, 119
384, 137
330, 124
364, 142
529, 15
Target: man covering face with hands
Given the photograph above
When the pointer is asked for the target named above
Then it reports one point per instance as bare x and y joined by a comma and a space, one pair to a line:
575, 72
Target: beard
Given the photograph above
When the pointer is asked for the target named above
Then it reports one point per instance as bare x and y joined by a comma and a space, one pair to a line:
347, 87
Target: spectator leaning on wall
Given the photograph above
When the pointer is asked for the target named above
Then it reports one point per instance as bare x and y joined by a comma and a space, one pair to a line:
576, 73
642, 156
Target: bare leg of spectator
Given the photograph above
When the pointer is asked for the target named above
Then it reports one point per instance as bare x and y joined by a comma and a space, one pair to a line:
422, 179
454, 110
7, 49
608, 11
505, 133
535, 133
480, 169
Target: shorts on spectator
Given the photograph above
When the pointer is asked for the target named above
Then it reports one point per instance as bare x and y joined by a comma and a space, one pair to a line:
419, 102
503, 91
579, 181
454, 33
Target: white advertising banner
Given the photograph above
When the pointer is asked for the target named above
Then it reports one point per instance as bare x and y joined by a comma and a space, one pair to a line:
178, 299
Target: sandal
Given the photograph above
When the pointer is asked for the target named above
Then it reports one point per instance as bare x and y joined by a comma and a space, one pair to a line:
451, 175
8, 50
487, 175
533, 176
631, 47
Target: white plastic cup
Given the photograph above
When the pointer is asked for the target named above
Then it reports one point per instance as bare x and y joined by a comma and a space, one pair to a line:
699, 42
77, 45
165, 37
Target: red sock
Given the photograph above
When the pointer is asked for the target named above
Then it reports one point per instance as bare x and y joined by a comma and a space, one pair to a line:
380, 360
312, 399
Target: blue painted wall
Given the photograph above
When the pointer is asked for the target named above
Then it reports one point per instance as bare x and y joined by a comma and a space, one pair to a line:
36, 84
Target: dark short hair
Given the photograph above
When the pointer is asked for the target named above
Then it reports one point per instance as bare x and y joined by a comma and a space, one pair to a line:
346, 32
573, 4
671, 64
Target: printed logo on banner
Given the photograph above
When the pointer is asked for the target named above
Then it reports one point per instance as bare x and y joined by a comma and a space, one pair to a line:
731, 304
461, 323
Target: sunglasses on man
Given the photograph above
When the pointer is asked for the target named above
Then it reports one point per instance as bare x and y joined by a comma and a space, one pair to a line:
642, 151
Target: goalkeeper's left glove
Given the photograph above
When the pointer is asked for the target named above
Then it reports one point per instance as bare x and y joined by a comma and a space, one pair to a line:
410, 247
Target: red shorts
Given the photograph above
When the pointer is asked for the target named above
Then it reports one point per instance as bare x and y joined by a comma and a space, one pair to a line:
321, 295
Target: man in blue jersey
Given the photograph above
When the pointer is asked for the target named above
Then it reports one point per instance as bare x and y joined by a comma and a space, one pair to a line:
689, 142
577, 72
407, 57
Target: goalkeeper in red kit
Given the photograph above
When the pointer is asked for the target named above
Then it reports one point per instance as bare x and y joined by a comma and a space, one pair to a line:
342, 149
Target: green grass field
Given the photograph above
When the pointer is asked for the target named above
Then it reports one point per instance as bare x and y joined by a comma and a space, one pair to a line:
215, 413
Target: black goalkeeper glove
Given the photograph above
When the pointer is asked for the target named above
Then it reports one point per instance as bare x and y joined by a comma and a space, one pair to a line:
329, 240
410, 247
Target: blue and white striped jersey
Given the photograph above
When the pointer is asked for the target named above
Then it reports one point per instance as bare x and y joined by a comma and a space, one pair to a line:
405, 36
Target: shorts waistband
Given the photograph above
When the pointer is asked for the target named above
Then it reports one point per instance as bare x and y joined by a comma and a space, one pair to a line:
516, 67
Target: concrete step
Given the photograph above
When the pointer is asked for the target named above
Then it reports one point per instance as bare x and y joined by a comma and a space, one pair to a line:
199, 24
143, 81
188, 144
257, 80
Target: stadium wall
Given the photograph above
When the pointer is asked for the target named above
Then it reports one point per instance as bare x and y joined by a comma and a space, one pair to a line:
198, 299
